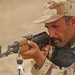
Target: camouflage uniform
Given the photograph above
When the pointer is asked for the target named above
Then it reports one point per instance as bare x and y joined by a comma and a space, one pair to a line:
53, 11
54, 69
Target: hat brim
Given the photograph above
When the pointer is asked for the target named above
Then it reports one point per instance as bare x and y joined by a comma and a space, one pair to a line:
48, 19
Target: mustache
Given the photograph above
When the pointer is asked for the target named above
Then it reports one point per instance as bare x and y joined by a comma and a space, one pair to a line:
54, 39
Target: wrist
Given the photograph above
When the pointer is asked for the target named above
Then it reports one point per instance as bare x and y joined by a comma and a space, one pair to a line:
40, 60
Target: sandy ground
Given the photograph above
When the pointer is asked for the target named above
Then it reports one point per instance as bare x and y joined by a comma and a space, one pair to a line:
16, 20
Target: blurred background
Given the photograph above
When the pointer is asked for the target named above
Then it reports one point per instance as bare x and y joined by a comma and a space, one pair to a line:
16, 20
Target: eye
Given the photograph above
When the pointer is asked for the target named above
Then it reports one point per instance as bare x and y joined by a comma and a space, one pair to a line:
46, 27
54, 26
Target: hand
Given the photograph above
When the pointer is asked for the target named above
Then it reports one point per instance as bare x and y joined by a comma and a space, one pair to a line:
45, 50
34, 53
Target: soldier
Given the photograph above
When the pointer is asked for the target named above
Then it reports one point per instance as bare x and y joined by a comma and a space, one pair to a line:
59, 19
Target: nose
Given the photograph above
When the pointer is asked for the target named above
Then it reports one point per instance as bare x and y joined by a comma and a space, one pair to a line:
52, 33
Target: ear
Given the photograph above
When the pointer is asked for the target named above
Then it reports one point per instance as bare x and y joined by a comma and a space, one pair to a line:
72, 21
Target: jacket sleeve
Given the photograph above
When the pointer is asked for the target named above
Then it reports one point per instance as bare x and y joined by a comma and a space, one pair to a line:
49, 68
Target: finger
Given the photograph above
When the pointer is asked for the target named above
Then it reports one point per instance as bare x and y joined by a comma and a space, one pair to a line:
32, 44
44, 53
27, 54
26, 57
46, 48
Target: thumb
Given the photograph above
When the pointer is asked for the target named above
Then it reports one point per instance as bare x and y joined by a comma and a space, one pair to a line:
32, 44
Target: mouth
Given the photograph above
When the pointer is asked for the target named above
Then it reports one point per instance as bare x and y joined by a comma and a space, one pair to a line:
57, 41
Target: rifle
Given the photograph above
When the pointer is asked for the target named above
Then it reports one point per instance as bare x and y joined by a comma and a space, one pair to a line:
42, 39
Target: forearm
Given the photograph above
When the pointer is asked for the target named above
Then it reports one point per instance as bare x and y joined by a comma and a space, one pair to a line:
40, 60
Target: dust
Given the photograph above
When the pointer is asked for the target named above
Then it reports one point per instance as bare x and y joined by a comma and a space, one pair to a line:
16, 20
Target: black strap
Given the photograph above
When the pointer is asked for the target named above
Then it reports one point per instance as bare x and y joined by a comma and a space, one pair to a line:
63, 57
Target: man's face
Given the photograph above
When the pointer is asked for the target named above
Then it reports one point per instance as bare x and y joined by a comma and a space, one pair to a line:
60, 33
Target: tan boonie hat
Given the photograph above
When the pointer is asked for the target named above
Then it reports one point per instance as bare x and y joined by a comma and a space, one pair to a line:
55, 10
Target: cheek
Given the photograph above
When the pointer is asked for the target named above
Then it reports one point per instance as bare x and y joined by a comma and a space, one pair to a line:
62, 32
68, 35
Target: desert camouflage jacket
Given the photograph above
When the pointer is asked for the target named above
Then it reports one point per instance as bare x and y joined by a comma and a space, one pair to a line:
49, 68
